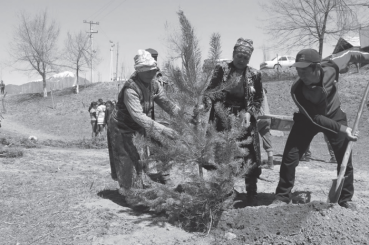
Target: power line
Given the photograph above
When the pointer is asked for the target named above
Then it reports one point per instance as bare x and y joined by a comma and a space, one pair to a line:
99, 11
113, 10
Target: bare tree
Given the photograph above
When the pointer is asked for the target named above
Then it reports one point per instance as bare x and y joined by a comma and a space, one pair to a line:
35, 45
309, 22
76, 54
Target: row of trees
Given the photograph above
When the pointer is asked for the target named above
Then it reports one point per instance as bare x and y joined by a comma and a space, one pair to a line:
34, 48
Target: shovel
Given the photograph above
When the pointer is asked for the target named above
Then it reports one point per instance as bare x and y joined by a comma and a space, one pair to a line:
336, 188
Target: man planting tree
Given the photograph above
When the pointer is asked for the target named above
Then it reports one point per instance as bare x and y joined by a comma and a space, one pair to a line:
315, 94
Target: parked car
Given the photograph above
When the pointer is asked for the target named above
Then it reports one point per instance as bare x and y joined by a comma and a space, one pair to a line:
278, 62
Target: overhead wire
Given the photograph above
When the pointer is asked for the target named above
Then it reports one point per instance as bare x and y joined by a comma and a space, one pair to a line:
101, 10
113, 9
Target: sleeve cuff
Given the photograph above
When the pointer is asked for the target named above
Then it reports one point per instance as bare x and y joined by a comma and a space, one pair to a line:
343, 128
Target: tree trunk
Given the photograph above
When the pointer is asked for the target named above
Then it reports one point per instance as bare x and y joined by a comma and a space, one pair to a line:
77, 83
44, 85
321, 46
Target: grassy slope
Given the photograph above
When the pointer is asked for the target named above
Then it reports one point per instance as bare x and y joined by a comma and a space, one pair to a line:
70, 116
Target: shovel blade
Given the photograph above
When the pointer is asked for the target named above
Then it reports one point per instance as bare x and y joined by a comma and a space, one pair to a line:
335, 191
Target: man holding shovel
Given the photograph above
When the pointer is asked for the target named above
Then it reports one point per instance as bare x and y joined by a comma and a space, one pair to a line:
316, 96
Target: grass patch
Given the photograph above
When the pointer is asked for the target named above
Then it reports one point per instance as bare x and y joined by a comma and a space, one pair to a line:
11, 152
19, 142
94, 143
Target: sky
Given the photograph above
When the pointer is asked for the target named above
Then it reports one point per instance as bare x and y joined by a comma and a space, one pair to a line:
140, 25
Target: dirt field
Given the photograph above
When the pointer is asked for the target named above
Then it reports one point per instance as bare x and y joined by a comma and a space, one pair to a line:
61, 195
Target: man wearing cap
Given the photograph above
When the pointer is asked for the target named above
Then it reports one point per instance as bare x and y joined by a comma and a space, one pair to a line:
315, 94
132, 115
245, 97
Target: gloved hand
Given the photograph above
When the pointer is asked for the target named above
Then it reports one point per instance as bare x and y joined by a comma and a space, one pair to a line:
170, 133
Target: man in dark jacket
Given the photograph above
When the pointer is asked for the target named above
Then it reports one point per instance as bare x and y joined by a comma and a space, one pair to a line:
316, 96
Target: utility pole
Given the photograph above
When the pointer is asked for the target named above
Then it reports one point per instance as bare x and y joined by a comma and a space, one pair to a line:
116, 70
111, 73
92, 42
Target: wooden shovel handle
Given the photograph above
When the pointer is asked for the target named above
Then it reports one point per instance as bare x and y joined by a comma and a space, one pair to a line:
354, 129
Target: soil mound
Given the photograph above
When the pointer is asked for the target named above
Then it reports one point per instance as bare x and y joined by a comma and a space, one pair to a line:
312, 223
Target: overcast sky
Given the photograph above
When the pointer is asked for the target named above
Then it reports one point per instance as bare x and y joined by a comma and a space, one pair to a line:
140, 25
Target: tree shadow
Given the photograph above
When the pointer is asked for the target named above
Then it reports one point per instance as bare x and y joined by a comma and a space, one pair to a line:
114, 196
265, 199
140, 211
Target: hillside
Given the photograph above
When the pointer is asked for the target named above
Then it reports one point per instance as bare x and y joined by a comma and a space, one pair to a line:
68, 118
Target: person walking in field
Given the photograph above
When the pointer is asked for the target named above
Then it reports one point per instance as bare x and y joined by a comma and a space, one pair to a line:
316, 95
93, 118
100, 114
245, 97
133, 115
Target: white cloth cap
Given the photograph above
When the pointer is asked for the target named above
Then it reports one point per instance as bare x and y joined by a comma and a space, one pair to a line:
144, 61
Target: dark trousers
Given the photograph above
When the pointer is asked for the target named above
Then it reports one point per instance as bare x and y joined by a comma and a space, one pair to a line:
303, 131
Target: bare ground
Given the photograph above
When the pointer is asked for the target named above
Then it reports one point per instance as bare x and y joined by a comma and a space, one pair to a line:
66, 196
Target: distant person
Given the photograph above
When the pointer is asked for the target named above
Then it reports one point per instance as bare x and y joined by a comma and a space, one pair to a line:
133, 115
100, 114
93, 118
2, 86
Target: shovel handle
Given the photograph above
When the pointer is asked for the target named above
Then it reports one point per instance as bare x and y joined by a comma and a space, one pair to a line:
354, 129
